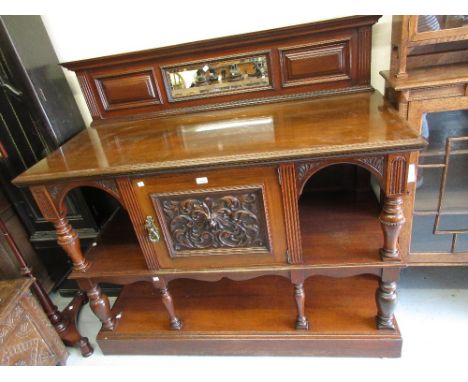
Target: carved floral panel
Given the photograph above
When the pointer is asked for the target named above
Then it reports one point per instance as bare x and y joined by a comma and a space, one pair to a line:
213, 222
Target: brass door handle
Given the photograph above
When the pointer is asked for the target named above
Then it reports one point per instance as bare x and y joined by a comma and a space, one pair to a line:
152, 230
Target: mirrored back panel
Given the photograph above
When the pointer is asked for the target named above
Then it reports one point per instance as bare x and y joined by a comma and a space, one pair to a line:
209, 78
294, 62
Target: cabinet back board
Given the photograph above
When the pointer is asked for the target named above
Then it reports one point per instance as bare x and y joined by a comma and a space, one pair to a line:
326, 57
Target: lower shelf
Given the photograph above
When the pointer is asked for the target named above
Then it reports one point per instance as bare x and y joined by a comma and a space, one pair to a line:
254, 317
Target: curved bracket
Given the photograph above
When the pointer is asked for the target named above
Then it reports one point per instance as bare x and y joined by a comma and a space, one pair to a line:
374, 164
59, 191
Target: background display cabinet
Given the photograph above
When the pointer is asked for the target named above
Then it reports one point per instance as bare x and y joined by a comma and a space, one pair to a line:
38, 114
247, 223
432, 95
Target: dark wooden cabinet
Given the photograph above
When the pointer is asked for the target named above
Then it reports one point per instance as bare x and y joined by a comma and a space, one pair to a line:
231, 239
38, 113
9, 266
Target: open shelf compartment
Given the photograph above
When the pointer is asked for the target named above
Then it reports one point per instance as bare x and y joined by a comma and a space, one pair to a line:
340, 219
116, 252
254, 317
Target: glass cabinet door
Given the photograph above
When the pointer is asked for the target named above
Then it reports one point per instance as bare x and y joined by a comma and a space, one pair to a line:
440, 220
437, 28
430, 23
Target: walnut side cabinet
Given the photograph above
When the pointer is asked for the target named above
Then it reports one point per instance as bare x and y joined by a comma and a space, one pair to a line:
231, 238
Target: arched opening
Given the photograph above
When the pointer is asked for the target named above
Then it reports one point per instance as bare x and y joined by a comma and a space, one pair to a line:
339, 209
114, 246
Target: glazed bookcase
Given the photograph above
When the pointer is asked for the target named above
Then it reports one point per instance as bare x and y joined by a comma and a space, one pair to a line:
431, 93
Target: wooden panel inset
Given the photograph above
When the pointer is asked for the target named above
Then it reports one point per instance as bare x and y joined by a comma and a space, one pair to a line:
323, 59
309, 64
127, 90
233, 218
213, 222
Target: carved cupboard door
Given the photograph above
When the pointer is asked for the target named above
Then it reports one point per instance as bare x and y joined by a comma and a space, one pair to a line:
231, 217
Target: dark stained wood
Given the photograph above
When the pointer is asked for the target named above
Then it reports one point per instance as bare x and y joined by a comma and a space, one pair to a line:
293, 230
341, 313
221, 187
38, 116
349, 235
331, 56
116, 251
175, 323
392, 220
326, 127
222, 194
99, 303
316, 63
64, 323
375, 164
302, 323
67, 237
8, 264
117, 254
70, 335
130, 202
386, 298
127, 90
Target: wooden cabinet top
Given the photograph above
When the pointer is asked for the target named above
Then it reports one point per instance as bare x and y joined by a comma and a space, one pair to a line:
320, 127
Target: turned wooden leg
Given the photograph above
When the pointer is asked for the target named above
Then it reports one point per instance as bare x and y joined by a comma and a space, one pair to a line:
70, 334
166, 297
56, 213
68, 239
392, 220
99, 303
301, 321
386, 298
63, 322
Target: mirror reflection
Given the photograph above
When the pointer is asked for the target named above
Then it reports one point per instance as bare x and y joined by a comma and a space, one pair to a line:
221, 135
430, 23
223, 76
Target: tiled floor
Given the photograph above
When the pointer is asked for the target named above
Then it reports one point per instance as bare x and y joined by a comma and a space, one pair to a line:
432, 314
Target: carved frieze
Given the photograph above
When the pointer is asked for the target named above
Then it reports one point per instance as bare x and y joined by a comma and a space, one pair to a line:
58, 191
217, 220
304, 168
374, 162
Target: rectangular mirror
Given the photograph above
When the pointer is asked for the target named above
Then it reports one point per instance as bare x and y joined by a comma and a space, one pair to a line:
228, 75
